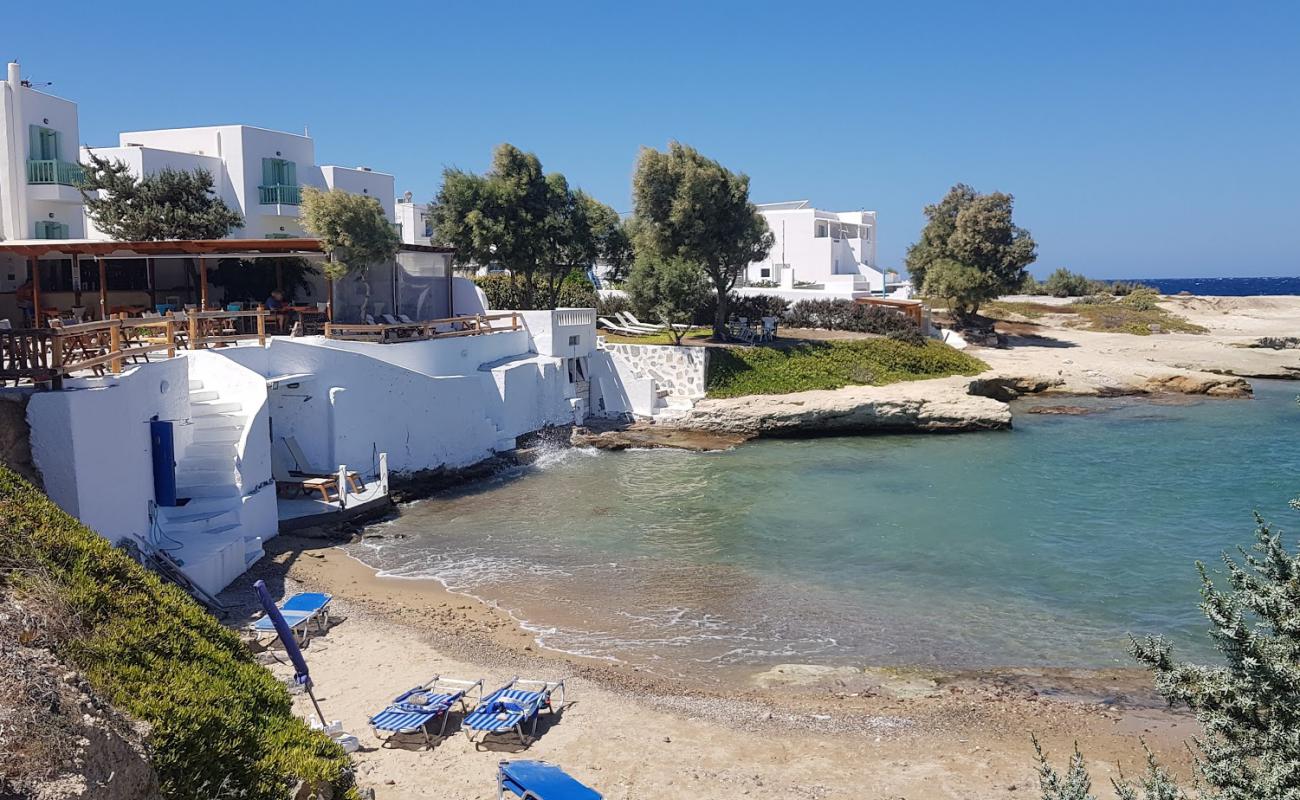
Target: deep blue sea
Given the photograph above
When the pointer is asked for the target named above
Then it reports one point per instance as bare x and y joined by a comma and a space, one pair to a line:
1042, 545
1231, 287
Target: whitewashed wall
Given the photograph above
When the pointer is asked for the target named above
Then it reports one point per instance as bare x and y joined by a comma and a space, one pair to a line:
91, 443
680, 370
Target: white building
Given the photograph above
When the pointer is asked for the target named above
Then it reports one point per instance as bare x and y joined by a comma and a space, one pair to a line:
38, 165
413, 220
829, 251
260, 173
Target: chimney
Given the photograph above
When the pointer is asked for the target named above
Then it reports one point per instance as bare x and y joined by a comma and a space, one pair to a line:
15, 75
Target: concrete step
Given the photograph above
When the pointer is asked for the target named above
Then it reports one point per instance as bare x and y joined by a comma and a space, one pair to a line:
228, 435
212, 407
192, 477
203, 396
203, 463
195, 385
207, 490
217, 421
226, 451
201, 523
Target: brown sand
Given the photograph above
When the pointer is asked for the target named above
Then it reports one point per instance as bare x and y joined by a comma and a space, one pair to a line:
794, 731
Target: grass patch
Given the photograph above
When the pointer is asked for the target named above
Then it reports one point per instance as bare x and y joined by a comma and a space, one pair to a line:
222, 726
658, 338
1119, 318
1003, 309
737, 371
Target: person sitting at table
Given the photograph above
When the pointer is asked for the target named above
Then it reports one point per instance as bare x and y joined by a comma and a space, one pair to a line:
26, 302
276, 301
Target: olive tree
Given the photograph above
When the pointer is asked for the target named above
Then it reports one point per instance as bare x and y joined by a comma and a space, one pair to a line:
974, 231
167, 204
670, 291
353, 231
692, 208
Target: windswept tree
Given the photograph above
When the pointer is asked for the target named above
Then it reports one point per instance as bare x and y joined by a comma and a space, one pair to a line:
353, 232
168, 204
528, 221
670, 291
1248, 706
690, 207
973, 247
613, 240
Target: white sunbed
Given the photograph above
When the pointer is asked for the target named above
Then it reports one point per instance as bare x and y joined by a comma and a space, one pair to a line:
632, 320
623, 329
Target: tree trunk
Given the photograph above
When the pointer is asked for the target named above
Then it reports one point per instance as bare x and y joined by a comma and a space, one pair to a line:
720, 315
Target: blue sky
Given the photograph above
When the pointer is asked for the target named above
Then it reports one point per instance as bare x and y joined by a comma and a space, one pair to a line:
1139, 139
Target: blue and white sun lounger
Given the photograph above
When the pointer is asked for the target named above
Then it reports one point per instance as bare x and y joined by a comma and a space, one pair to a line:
537, 780
300, 611
514, 705
414, 710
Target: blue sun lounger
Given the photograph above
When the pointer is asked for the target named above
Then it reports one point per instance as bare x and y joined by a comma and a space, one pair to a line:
300, 611
415, 709
537, 780
511, 707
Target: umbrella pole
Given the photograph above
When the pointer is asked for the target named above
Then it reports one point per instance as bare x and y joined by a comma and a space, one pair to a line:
319, 714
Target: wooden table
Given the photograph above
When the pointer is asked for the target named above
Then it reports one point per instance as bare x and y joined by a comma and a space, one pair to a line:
307, 315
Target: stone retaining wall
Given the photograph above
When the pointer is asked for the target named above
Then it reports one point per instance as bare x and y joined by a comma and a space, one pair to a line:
680, 370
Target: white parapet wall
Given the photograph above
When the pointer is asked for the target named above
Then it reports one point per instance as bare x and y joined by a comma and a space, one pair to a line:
641, 379
92, 446
679, 370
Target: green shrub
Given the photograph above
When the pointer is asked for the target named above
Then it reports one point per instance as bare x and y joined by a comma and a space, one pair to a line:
221, 724
1142, 299
1064, 283
607, 305
507, 292
847, 315
736, 371
749, 306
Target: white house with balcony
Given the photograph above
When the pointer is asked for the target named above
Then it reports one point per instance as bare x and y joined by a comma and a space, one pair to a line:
260, 173
830, 252
38, 166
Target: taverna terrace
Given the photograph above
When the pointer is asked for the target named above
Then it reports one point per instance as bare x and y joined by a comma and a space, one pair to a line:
198, 428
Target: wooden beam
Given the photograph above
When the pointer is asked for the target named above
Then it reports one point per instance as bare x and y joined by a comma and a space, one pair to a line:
203, 284
34, 272
76, 280
329, 299
103, 287
151, 271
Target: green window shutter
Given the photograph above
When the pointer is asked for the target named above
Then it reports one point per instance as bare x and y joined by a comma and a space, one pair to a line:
290, 173
268, 172
34, 152
56, 140
63, 230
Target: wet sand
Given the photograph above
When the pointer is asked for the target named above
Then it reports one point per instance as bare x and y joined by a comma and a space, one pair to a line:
790, 731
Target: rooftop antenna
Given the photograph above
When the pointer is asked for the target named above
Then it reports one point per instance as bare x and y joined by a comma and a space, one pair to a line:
306, 133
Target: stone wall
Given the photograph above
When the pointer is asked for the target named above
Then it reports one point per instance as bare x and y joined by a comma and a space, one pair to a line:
680, 370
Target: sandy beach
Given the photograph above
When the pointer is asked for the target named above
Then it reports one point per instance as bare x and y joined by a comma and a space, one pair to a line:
793, 731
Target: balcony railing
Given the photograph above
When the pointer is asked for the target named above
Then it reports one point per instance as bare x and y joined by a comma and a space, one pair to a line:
280, 195
54, 171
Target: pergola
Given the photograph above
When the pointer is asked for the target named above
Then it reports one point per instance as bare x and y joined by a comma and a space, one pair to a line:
200, 249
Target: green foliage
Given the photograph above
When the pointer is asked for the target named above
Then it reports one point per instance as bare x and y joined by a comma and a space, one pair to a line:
962, 287
509, 292
254, 279
530, 222
830, 365
1064, 283
690, 207
976, 232
169, 204
1134, 314
846, 315
612, 238
669, 291
1142, 299
352, 229
607, 305
1248, 706
221, 724
749, 306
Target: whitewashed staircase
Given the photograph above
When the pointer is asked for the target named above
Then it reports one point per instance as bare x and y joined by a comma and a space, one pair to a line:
212, 548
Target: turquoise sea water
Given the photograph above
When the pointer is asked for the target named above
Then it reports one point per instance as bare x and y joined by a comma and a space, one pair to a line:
1044, 545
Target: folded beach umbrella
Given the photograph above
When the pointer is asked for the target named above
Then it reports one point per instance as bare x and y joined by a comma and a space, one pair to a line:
290, 643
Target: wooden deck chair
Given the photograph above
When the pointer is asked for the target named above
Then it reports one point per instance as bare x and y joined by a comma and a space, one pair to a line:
301, 468
296, 485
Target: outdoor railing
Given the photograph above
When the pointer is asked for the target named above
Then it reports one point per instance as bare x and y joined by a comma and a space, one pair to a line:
54, 171
48, 355
427, 329
280, 194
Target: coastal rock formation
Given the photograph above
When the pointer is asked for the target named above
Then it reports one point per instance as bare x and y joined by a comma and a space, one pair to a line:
934, 405
640, 435
1199, 383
